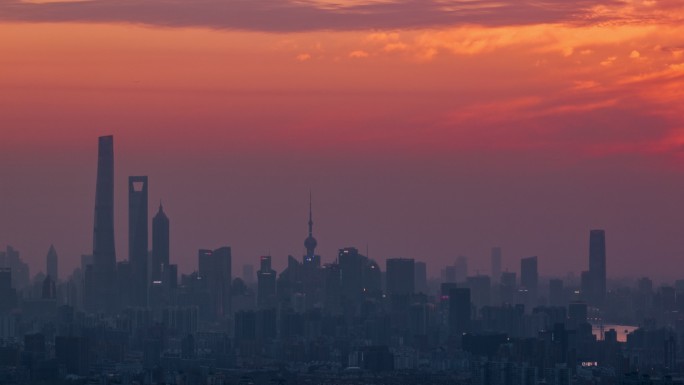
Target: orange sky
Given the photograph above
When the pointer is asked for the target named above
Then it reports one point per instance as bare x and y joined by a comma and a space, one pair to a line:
380, 94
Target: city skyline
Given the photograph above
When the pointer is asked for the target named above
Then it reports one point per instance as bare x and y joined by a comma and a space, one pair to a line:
373, 105
471, 192
139, 213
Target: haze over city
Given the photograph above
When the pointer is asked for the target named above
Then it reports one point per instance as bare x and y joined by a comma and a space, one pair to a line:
430, 129
406, 192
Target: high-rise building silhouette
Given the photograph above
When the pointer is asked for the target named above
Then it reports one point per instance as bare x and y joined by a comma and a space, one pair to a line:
597, 266
51, 263
351, 272
529, 281
8, 295
459, 311
310, 242
11, 258
529, 276
99, 288
160, 244
400, 276
138, 237
461, 268
480, 290
556, 292
266, 276
496, 264
248, 273
215, 273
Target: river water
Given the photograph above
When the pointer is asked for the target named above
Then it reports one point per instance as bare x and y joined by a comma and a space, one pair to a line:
622, 330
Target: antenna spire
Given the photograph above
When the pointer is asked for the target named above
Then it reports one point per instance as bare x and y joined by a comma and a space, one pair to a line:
310, 215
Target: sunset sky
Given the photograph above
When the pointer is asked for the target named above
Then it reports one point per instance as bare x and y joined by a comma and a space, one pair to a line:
426, 129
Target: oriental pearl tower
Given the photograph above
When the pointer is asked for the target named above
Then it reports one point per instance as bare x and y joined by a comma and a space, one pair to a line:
310, 243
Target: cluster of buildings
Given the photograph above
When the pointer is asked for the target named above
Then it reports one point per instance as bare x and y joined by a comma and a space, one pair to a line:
349, 321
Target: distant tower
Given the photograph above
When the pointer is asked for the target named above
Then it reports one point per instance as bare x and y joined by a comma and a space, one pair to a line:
461, 268
100, 293
51, 263
597, 266
310, 242
160, 244
529, 279
459, 311
266, 294
400, 276
138, 238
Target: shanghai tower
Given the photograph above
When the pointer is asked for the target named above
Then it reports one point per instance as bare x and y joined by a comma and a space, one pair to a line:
104, 254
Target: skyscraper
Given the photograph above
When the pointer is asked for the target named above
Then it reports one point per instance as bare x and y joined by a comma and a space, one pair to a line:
215, 271
597, 266
480, 290
248, 273
459, 311
8, 295
400, 276
496, 264
222, 280
101, 291
51, 263
461, 268
351, 272
556, 292
529, 279
266, 276
160, 244
138, 237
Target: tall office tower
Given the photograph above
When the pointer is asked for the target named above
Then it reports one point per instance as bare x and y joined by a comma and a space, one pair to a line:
496, 264
310, 243
20, 269
529, 276
332, 288
597, 266
529, 282
399, 286
459, 311
102, 276
138, 237
248, 273
51, 263
449, 274
420, 278
400, 276
480, 290
556, 292
351, 272
8, 295
508, 287
461, 268
160, 244
266, 277
215, 271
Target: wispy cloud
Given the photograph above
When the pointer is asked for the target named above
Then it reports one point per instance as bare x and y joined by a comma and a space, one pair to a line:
306, 15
